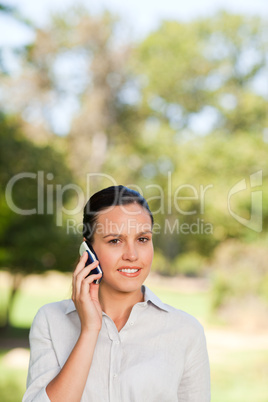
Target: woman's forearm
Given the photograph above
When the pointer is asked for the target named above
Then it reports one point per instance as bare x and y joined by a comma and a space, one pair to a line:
69, 384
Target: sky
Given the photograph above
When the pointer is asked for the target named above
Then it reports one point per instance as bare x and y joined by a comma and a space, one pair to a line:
140, 16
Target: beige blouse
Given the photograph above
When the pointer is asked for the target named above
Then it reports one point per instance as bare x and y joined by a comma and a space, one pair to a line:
160, 354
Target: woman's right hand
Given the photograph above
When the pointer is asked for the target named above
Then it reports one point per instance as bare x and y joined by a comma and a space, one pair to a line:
70, 382
85, 295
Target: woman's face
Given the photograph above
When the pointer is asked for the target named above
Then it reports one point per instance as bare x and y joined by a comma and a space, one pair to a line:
123, 244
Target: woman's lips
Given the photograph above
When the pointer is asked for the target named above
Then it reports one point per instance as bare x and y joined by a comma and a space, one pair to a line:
129, 272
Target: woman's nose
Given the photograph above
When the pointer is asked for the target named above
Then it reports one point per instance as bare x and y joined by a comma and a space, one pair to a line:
130, 253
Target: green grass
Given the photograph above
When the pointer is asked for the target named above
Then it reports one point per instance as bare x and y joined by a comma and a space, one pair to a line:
12, 381
27, 304
240, 376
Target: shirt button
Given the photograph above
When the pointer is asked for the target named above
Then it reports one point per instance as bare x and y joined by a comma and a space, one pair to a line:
115, 375
117, 342
131, 323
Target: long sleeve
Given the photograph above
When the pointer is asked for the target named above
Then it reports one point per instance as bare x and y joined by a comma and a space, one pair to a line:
195, 383
43, 366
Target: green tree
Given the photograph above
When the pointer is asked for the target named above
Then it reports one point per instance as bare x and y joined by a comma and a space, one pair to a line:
206, 69
31, 242
73, 72
205, 170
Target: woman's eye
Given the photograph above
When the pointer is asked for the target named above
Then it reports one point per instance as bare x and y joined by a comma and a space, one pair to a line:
114, 241
143, 239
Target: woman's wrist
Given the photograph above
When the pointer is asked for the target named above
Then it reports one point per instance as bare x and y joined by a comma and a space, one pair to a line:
89, 333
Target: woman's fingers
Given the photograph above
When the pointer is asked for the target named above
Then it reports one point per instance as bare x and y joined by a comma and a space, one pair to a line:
87, 283
82, 262
94, 289
81, 272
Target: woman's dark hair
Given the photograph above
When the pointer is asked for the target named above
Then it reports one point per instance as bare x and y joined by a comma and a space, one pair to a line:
109, 197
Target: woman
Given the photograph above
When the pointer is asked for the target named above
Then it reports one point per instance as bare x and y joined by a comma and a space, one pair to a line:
116, 341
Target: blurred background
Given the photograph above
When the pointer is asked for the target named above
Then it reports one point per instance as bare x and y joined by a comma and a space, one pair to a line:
169, 99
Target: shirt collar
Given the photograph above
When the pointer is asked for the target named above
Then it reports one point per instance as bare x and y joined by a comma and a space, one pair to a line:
149, 296
70, 307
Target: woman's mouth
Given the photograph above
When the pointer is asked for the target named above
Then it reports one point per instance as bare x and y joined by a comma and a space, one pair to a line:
129, 272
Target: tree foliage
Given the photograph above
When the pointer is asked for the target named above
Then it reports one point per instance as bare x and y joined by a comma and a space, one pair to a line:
69, 84
207, 68
31, 241
187, 74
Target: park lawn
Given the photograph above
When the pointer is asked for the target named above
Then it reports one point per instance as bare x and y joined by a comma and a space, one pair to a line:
240, 376
12, 380
27, 303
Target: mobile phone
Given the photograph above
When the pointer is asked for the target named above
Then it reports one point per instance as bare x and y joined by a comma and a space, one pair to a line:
85, 246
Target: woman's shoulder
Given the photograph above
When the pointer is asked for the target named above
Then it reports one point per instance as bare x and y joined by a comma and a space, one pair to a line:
61, 305
175, 316
54, 310
187, 325
185, 318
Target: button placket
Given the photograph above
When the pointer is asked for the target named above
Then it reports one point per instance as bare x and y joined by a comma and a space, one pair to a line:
115, 367
115, 359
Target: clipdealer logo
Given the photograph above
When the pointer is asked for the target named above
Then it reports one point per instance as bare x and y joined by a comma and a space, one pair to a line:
49, 197
49, 200
255, 220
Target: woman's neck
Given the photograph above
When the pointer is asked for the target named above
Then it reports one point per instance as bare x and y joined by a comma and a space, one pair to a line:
118, 305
